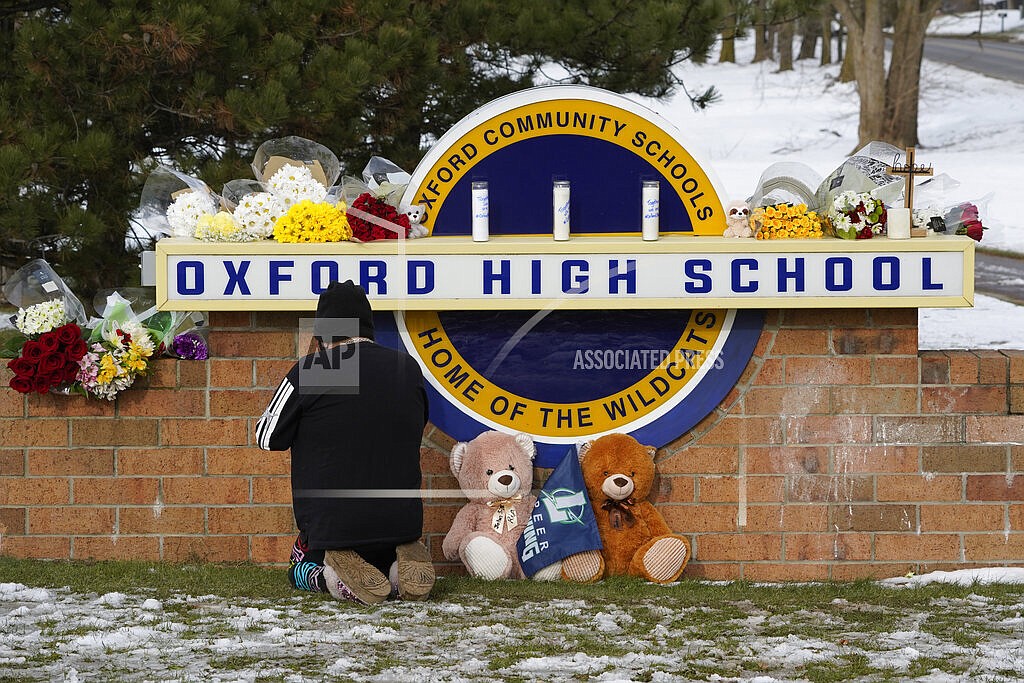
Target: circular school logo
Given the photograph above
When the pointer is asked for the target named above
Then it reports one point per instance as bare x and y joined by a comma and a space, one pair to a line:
572, 371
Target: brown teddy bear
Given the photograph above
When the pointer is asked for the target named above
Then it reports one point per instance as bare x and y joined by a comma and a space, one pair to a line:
619, 472
495, 471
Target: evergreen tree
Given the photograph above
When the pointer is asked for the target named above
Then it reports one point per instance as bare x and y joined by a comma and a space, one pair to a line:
96, 93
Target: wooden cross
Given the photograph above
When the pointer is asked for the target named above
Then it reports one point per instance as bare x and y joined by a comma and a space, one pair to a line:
909, 170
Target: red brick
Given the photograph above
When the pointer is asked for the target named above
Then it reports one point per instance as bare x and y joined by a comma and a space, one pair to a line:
12, 404
759, 489
765, 341
40, 432
269, 373
934, 367
994, 547
919, 430
837, 429
1015, 515
114, 432
85, 461
913, 488
896, 370
37, 547
438, 440
810, 488
231, 373
871, 458
699, 519
272, 549
787, 460
675, 488
969, 517
220, 319
875, 341
35, 491
993, 429
893, 317
790, 342
260, 519
193, 373
269, 344
46, 521
696, 459
963, 367
136, 548
438, 518
993, 367
825, 317
852, 571
163, 374
199, 432
206, 491
12, 521
828, 547
711, 571
205, 548
163, 403
917, 547
1016, 400
12, 462
786, 572
272, 490
435, 462
964, 399
287, 320
116, 490
162, 519
738, 547
816, 370
871, 517
772, 372
52, 405
1017, 458
874, 400
737, 431
247, 461
159, 461
250, 403
790, 400
995, 487
796, 517
1015, 358
963, 458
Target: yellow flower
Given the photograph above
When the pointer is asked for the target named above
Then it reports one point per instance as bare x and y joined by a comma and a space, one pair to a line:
307, 221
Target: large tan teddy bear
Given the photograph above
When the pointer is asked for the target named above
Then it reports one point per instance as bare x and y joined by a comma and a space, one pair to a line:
495, 471
619, 471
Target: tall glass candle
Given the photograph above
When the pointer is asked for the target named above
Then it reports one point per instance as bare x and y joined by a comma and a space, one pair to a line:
481, 211
650, 215
898, 224
560, 218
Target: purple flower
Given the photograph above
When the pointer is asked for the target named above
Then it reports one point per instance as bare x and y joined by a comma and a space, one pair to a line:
190, 346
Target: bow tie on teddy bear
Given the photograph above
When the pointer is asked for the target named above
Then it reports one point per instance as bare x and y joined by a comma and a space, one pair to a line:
505, 516
619, 512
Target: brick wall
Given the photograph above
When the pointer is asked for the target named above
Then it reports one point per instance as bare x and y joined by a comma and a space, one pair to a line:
842, 452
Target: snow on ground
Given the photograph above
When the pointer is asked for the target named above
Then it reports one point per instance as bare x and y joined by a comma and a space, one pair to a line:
58, 635
966, 23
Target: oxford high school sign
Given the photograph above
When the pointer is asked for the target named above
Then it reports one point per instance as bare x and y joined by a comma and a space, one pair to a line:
570, 340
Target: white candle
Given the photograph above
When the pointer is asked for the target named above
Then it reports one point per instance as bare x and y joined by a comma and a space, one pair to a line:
561, 210
898, 224
650, 209
481, 211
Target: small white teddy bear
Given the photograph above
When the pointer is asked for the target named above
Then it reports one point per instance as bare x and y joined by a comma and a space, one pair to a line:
737, 217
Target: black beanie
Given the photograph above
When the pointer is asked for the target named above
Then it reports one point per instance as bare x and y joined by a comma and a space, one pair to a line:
344, 300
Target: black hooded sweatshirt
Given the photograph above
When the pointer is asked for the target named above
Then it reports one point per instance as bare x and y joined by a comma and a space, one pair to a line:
356, 455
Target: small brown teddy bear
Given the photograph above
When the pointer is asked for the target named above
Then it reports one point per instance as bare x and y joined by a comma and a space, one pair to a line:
495, 471
619, 471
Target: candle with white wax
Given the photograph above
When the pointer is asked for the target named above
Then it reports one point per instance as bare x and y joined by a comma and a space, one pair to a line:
650, 211
898, 224
481, 211
560, 204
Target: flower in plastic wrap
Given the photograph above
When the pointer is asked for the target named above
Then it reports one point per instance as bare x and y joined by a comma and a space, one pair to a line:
256, 213
219, 227
190, 346
857, 215
785, 221
48, 362
41, 317
313, 222
112, 365
185, 210
294, 184
365, 230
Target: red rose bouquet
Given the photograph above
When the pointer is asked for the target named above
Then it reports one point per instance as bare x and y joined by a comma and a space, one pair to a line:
363, 212
963, 219
49, 361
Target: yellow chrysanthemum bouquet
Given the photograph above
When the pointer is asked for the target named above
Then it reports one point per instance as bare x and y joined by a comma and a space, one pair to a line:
785, 221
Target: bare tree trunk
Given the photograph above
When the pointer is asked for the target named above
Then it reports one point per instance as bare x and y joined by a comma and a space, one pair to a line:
846, 70
729, 23
902, 87
809, 31
867, 49
826, 34
761, 47
786, 45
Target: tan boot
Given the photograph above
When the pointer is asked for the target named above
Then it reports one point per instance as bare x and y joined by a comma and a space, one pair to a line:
357, 575
415, 571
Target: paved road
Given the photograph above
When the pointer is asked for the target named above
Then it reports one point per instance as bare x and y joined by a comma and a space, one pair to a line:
990, 57
999, 276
